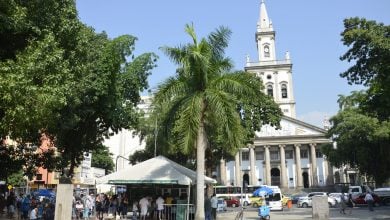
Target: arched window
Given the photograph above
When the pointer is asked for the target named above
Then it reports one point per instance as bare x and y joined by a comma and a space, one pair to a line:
270, 90
266, 51
284, 91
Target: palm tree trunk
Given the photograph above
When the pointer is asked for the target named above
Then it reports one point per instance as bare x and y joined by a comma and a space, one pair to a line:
200, 158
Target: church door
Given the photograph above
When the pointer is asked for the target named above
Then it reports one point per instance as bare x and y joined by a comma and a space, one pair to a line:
275, 177
305, 176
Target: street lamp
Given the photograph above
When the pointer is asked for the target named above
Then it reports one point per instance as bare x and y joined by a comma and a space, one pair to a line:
116, 161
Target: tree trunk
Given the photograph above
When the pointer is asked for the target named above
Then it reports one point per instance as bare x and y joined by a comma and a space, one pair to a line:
200, 158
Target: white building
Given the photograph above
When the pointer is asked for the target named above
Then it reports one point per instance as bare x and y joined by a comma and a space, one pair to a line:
290, 157
126, 142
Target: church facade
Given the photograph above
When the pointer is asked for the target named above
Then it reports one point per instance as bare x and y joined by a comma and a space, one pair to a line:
290, 157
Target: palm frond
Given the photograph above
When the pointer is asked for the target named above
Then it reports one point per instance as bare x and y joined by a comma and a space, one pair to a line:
188, 122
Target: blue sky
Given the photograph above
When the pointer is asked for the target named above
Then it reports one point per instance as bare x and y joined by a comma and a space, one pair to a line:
310, 30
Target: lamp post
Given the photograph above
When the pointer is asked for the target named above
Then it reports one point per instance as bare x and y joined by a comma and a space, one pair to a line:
116, 161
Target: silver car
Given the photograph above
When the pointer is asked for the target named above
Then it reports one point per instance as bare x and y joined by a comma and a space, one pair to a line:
306, 201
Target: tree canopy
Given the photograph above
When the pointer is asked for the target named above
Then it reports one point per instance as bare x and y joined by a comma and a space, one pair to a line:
102, 158
59, 77
361, 128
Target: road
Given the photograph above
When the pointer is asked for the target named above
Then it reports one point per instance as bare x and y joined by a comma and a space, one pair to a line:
361, 212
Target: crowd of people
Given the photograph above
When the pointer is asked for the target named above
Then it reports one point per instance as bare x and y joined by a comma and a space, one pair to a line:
118, 206
26, 207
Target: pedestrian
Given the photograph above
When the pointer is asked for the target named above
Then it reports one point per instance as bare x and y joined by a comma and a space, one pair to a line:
11, 201
214, 206
135, 210
350, 203
160, 207
25, 207
168, 205
343, 204
207, 208
124, 205
34, 213
369, 200
144, 203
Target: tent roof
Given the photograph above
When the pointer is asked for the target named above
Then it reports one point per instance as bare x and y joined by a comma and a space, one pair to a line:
158, 170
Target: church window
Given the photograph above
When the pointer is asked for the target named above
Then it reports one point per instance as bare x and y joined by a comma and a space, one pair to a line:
266, 51
304, 154
259, 155
289, 154
269, 76
245, 155
284, 91
274, 155
319, 154
270, 90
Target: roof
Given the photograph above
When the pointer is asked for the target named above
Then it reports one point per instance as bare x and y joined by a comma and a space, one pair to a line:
158, 170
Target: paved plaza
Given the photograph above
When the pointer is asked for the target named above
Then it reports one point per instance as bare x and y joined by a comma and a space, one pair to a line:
362, 212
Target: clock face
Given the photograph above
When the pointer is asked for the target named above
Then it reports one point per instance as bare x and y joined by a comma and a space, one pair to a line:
266, 49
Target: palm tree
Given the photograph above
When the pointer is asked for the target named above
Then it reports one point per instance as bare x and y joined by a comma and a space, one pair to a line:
204, 97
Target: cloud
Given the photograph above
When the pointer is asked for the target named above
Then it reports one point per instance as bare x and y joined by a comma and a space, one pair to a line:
315, 118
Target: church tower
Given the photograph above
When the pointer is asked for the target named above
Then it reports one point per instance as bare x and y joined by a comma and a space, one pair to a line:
276, 74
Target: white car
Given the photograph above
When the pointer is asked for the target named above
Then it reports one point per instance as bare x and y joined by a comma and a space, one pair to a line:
305, 202
336, 196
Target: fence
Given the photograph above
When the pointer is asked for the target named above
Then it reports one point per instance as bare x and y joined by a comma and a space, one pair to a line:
170, 212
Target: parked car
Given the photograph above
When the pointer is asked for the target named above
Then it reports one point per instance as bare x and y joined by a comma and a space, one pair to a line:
305, 202
231, 201
359, 200
285, 199
256, 201
295, 197
337, 196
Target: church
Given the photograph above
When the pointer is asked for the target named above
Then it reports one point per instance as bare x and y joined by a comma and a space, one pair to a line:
291, 156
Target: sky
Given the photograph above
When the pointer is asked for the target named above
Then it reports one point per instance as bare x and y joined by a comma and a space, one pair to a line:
309, 30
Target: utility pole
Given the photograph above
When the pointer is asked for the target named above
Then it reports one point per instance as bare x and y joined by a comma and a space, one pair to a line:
155, 138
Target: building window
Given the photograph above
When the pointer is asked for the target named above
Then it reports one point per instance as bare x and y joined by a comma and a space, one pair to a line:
245, 155
270, 90
274, 155
289, 154
284, 91
319, 154
269, 76
266, 51
304, 154
259, 155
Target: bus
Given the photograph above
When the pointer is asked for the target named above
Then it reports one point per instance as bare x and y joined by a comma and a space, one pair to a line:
274, 201
233, 191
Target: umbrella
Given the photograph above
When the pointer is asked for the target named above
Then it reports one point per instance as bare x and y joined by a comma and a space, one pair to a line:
44, 192
263, 191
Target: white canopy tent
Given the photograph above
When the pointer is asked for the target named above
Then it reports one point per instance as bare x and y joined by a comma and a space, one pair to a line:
158, 170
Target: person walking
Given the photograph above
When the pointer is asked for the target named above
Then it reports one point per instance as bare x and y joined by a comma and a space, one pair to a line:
214, 206
160, 207
144, 203
343, 204
350, 203
369, 200
207, 208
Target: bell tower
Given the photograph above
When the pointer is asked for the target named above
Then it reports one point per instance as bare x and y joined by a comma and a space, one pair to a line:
275, 74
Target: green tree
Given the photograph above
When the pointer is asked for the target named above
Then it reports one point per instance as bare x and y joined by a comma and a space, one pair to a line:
369, 51
203, 98
59, 77
102, 158
361, 127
